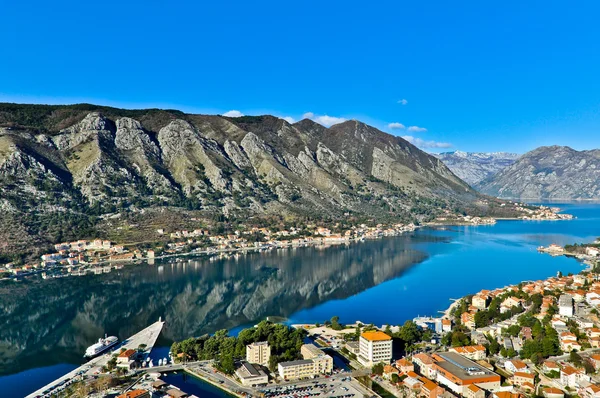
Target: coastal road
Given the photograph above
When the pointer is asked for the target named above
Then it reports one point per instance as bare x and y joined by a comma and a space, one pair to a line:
147, 336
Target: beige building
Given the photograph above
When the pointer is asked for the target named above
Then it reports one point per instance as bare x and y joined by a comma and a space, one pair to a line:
251, 375
295, 370
258, 353
375, 347
323, 363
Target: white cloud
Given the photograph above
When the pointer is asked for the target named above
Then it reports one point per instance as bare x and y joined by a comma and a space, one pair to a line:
417, 129
403, 101
233, 113
289, 119
426, 144
325, 120
396, 126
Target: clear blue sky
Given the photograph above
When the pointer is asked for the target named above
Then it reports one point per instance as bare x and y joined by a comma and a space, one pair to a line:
479, 75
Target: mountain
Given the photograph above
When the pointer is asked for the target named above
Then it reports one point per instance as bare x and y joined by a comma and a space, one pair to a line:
87, 170
553, 172
474, 167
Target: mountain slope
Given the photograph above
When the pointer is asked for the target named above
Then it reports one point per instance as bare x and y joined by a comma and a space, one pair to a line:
474, 167
554, 172
64, 169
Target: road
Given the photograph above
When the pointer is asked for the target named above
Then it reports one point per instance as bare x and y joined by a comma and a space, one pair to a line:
147, 336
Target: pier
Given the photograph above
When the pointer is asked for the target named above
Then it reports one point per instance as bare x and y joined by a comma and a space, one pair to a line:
148, 336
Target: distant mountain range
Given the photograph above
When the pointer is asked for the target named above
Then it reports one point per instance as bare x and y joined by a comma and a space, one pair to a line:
552, 172
474, 167
78, 170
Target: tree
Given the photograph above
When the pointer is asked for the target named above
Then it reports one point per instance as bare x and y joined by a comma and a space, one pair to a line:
377, 369
410, 333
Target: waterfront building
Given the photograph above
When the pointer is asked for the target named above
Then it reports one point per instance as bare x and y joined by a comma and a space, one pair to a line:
258, 353
251, 375
375, 347
565, 305
126, 358
135, 394
457, 373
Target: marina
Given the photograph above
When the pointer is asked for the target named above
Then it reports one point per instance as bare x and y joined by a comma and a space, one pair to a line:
146, 337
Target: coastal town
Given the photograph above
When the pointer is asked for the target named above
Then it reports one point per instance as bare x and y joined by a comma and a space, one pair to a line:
98, 256
537, 338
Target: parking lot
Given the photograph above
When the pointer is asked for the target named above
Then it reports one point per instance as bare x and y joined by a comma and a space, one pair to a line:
335, 387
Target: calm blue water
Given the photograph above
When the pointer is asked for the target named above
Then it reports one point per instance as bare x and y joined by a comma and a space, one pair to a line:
384, 282
193, 385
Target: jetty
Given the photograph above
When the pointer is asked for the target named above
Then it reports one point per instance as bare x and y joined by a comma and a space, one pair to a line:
148, 336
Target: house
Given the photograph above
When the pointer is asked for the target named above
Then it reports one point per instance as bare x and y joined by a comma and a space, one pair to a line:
565, 305
480, 301
550, 366
423, 364
595, 360
429, 389
126, 358
412, 381
473, 352
405, 366
516, 365
520, 378
468, 320
591, 391
446, 325
472, 391
551, 392
571, 377
135, 394
388, 371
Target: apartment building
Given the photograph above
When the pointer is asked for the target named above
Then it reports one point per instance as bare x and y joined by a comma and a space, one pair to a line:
375, 347
258, 353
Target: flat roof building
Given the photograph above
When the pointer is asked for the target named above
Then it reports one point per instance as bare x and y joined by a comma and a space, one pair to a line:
374, 347
457, 372
251, 375
565, 305
294, 370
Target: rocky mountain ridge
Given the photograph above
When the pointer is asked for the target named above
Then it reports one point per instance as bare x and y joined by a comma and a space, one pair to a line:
61, 167
474, 167
551, 172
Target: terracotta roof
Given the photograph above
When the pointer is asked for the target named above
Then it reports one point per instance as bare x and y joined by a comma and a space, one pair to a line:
551, 364
426, 359
569, 370
133, 394
552, 390
127, 353
474, 388
375, 336
517, 363
524, 374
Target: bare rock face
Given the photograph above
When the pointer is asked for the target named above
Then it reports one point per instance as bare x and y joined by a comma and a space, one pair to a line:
192, 159
475, 167
555, 172
106, 159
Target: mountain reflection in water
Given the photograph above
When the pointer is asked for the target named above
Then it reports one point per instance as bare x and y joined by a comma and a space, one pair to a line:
53, 321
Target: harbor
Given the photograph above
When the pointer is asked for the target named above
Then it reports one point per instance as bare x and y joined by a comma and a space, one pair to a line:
146, 338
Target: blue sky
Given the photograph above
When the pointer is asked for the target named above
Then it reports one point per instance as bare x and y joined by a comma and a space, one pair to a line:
477, 75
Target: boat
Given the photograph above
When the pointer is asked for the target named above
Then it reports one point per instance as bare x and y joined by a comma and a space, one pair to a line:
101, 346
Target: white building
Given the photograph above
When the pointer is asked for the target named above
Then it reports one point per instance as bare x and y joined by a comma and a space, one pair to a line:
565, 305
375, 347
251, 375
258, 353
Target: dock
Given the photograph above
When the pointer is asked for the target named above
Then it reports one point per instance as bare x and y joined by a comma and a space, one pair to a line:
148, 336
